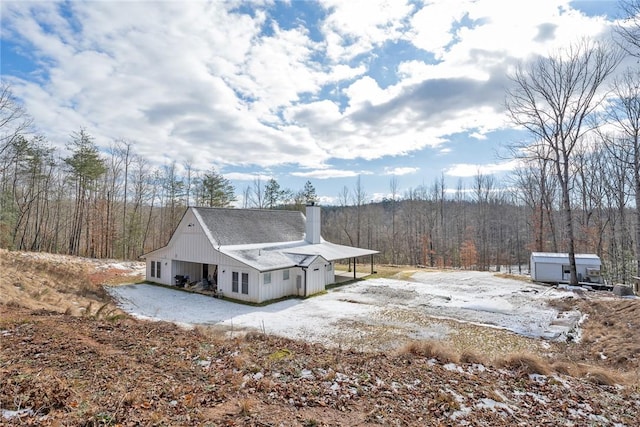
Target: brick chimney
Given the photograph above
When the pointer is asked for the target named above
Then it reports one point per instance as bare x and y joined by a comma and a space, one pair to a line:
313, 224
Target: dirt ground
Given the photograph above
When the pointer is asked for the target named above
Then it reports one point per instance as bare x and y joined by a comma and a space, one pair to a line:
96, 366
469, 310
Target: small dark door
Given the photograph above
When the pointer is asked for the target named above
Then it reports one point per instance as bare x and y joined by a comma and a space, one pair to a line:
205, 271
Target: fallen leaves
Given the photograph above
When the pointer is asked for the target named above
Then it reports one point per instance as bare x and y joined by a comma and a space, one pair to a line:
57, 369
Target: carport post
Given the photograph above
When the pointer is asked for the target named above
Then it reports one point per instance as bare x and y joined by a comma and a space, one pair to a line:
354, 268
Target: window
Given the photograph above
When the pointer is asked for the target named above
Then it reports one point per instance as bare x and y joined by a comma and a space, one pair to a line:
158, 264
285, 275
566, 269
234, 281
245, 283
267, 278
153, 269
329, 266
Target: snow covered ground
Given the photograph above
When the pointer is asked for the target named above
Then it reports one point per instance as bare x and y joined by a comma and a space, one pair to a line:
365, 308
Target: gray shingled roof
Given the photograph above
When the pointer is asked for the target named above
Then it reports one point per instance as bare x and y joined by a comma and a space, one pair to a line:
248, 226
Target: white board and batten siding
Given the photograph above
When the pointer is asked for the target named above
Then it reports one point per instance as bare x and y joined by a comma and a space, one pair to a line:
225, 283
316, 276
280, 285
160, 256
330, 273
190, 243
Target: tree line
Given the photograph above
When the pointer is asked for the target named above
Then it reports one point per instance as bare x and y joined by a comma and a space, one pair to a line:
576, 189
111, 204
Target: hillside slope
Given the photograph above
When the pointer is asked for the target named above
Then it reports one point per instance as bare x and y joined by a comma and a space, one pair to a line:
100, 367
61, 283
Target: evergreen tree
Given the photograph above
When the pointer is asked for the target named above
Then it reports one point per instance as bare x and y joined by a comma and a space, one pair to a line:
216, 190
274, 195
309, 193
86, 166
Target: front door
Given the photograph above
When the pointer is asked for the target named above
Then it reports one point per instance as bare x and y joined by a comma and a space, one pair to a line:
205, 271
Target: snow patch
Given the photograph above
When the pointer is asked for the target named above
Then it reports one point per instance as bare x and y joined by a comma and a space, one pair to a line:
333, 318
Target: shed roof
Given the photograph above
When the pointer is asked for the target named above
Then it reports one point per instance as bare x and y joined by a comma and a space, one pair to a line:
558, 257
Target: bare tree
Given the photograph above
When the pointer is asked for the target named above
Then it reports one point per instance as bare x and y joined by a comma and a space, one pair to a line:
624, 113
359, 199
188, 168
343, 199
393, 188
629, 28
125, 152
536, 187
246, 197
553, 98
14, 120
257, 194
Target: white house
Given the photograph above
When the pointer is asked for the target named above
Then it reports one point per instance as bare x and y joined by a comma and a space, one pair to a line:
253, 255
553, 267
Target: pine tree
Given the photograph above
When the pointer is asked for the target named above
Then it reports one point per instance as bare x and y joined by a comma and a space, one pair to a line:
309, 193
216, 190
86, 166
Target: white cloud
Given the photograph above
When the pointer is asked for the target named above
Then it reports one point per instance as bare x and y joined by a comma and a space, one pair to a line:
467, 170
432, 26
329, 173
200, 81
378, 197
355, 27
399, 171
237, 176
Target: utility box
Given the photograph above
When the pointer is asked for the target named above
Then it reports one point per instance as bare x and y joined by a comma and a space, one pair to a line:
552, 267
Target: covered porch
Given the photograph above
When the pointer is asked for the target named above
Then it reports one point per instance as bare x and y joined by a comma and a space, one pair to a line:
189, 273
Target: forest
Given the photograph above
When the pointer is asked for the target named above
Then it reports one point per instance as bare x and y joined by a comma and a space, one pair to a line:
576, 188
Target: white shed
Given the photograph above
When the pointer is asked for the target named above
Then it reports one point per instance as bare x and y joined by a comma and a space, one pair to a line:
551, 267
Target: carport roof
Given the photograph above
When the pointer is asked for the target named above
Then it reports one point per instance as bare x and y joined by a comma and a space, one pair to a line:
558, 257
291, 254
330, 251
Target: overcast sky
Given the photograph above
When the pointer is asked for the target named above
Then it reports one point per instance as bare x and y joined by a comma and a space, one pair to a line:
323, 91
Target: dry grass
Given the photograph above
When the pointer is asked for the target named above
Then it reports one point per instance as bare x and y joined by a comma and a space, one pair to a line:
518, 277
602, 377
564, 368
527, 363
246, 407
431, 350
610, 335
470, 356
52, 282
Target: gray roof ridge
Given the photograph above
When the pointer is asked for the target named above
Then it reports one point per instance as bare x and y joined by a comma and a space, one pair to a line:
264, 246
245, 209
